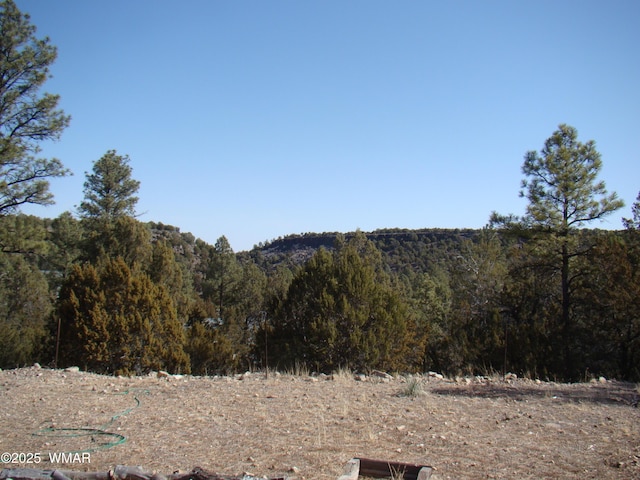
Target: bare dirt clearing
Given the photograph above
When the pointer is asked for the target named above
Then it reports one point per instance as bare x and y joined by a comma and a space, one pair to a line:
309, 428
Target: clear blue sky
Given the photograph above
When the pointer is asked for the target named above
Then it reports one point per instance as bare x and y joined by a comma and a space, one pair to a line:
257, 119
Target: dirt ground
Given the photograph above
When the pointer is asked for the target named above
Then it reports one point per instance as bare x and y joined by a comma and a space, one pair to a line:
309, 427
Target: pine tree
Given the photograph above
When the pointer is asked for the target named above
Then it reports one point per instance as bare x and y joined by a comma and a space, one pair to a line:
109, 192
108, 212
564, 194
26, 118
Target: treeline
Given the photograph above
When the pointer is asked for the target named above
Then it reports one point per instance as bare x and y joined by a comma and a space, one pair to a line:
540, 295
146, 297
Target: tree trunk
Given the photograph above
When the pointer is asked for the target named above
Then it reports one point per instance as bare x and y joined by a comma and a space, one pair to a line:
567, 327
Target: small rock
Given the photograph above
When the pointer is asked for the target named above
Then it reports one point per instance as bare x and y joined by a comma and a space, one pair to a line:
379, 374
163, 374
294, 470
360, 377
36, 365
602, 380
72, 369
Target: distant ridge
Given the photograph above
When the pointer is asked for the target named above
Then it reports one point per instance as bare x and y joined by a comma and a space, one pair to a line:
397, 245
327, 239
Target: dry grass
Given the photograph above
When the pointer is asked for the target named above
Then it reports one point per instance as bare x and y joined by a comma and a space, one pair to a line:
309, 428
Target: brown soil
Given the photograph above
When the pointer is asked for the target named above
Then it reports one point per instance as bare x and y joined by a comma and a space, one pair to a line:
309, 428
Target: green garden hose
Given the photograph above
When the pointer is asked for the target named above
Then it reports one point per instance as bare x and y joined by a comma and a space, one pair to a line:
109, 439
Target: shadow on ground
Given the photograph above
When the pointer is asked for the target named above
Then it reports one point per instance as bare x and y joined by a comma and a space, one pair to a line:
609, 393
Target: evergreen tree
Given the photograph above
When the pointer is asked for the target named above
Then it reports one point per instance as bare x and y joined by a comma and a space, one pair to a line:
244, 313
26, 118
109, 192
108, 211
166, 271
634, 222
563, 192
432, 299
533, 329
25, 306
83, 326
478, 274
608, 307
341, 310
115, 320
24, 235
209, 350
223, 276
66, 240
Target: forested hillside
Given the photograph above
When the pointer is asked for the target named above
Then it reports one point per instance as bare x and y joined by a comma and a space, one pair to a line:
544, 294
455, 301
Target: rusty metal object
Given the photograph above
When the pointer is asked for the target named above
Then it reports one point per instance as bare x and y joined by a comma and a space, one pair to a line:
367, 467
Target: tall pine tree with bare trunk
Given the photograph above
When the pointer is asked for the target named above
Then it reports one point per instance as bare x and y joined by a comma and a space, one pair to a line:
564, 193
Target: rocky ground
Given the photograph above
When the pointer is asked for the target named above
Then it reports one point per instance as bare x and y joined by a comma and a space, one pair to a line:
309, 427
